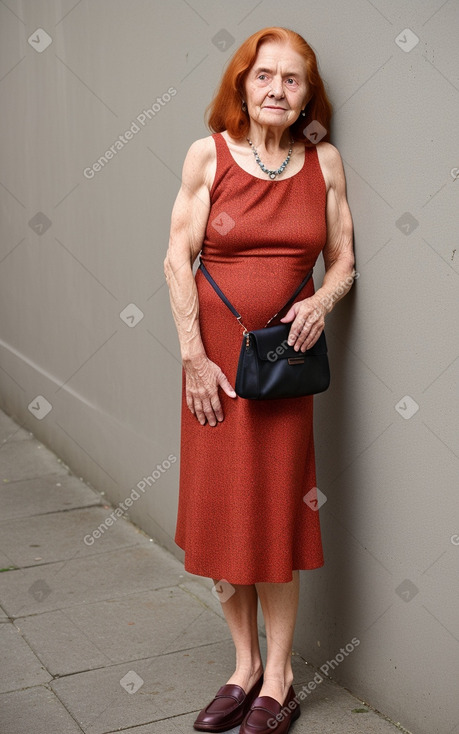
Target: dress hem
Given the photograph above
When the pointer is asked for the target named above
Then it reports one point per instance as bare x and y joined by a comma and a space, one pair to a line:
224, 577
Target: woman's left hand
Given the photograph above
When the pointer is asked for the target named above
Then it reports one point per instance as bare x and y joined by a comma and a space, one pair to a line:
308, 318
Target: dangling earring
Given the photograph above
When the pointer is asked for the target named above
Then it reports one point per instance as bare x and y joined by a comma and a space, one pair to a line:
303, 112
244, 106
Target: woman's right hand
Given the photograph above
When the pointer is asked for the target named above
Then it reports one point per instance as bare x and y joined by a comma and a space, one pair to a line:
203, 378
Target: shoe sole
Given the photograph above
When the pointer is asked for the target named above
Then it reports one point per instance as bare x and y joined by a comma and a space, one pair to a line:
216, 728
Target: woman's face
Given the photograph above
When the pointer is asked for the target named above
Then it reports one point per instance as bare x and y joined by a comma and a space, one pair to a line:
275, 87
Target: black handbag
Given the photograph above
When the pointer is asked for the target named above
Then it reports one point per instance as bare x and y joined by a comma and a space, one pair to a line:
268, 367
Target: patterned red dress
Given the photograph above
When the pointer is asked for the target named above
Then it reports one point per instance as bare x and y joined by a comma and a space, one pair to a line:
241, 513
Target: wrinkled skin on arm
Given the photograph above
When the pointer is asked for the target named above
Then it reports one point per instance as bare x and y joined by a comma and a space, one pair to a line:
188, 224
308, 316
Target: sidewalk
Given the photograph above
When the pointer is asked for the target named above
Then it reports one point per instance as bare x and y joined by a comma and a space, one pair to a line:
113, 636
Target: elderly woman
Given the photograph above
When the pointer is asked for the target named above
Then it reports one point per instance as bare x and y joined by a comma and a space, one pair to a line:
260, 199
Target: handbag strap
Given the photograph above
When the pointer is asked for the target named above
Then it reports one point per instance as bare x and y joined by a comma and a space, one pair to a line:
235, 313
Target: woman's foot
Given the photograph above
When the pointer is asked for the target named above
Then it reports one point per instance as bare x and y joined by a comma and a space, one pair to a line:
246, 678
268, 716
275, 687
228, 708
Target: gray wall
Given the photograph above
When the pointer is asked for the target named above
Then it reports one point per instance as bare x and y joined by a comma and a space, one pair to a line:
76, 251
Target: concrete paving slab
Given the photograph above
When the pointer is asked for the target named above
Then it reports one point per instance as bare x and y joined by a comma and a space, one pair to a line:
152, 689
110, 575
20, 667
326, 713
137, 626
25, 460
201, 588
11, 431
63, 647
311, 721
330, 708
6, 563
176, 725
35, 711
183, 725
60, 536
41, 495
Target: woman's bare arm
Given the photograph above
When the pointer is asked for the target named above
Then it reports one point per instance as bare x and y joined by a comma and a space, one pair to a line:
338, 252
188, 223
308, 316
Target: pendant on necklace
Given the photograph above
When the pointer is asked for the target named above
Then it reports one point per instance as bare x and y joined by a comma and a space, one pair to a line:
272, 174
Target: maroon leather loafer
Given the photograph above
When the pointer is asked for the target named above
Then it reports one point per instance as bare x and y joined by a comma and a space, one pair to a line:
268, 715
228, 708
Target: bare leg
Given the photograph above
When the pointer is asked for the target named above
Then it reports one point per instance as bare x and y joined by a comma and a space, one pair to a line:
279, 603
240, 612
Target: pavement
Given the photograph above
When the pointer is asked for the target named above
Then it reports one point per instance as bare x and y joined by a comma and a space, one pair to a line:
114, 635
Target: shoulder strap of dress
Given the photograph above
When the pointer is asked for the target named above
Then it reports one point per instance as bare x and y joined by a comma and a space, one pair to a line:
222, 147
224, 159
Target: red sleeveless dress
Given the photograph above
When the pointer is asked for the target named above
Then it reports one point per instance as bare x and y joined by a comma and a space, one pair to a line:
241, 513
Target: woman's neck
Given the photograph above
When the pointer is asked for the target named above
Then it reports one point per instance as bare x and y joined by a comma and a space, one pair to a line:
270, 139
